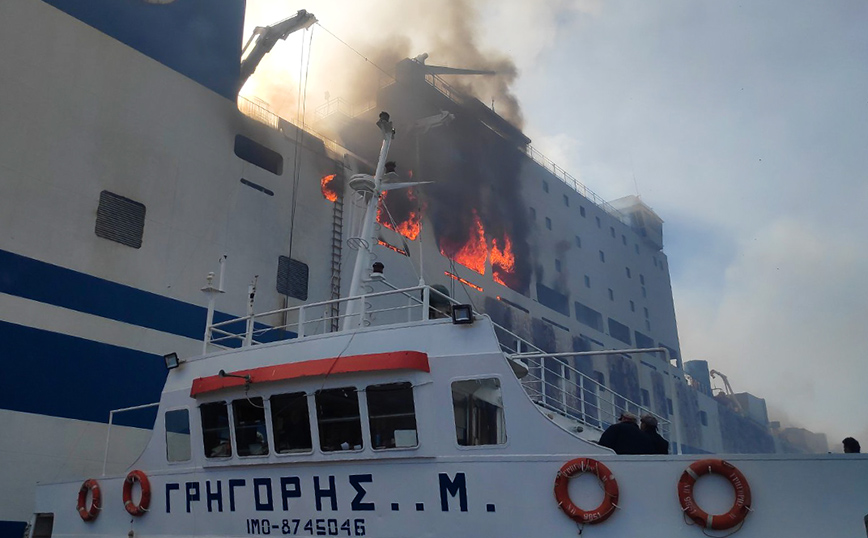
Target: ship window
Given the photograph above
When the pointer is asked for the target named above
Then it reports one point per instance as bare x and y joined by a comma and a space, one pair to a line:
642, 279
619, 331
587, 281
43, 525
292, 277
392, 416
612, 230
578, 241
611, 295
259, 155
215, 430
632, 306
645, 308
558, 265
589, 316
703, 417
337, 414
598, 222
629, 275
669, 406
646, 398
548, 223
545, 186
566, 200
291, 423
602, 256
478, 407
251, 437
178, 435
120, 219
624, 240
582, 210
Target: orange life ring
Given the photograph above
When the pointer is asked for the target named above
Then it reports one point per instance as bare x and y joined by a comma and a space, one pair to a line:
89, 514
145, 501
610, 487
740, 507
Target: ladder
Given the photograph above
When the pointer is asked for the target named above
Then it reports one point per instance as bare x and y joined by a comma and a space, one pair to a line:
337, 243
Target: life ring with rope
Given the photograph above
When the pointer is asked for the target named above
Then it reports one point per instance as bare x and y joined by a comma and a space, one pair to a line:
89, 513
740, 507
610, 488
145, 500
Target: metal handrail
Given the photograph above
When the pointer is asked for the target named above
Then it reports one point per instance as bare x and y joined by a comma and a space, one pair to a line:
561, 388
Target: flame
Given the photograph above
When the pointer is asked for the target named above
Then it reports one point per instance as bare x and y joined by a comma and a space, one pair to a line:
411, 225
392, 247
502, 261
328, 189
459, 279
473, 252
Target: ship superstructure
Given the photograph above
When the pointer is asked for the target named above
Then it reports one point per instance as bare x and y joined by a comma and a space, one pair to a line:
130, 169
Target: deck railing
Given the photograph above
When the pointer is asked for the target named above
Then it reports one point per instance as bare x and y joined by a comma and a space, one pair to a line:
551, 382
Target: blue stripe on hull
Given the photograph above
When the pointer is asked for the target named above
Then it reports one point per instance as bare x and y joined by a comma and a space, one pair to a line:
64, 376
12, 529
201, 39
47, 283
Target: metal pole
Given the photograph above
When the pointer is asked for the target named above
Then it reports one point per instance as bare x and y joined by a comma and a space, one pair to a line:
111, 420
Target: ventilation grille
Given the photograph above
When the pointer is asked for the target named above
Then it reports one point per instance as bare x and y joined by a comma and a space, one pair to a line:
292, 277
120, 219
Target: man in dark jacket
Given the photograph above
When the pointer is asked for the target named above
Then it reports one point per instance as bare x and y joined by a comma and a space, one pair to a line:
626, 438
649, 427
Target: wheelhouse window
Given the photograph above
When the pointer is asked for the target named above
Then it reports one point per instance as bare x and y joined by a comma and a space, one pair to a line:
215, 430
392, 416
338, 420
251, 437
177, 435
478, 407
291, 423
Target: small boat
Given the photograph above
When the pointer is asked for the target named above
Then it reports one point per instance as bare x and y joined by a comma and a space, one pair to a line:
405, 418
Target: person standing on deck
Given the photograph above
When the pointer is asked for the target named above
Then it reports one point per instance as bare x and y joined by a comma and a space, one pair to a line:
625, 437
648, 425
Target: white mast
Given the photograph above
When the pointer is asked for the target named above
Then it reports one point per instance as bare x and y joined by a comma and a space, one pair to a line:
369, 187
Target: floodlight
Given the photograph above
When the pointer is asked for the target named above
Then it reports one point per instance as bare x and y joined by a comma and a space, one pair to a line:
462, 314
172, 361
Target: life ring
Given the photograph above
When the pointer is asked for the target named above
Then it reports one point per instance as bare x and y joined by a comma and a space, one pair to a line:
89, 514
740, 507
145, 501
610, 487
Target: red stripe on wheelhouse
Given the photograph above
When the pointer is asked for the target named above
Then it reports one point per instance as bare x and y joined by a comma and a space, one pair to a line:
374, 362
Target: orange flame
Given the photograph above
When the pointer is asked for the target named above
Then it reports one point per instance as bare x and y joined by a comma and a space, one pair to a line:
328, 188
392, 247
502, 261
471, 254
459, 279
411, 226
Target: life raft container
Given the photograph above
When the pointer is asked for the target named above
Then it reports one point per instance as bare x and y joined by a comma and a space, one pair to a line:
145, 500
89, 513
740, 507
610, 488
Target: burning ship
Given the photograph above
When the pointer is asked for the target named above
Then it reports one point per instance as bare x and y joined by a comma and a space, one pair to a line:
130, 167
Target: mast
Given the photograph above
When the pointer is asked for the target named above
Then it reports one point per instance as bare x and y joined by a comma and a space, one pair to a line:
369, 187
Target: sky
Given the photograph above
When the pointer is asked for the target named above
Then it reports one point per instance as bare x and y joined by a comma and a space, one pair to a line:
744, 125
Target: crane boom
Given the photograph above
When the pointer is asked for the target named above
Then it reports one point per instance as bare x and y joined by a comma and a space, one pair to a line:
264, 38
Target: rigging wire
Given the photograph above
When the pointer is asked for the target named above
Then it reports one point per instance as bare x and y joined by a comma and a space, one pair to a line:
301, 110
354, 50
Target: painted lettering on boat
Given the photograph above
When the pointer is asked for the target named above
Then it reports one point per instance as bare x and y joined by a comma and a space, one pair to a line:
266, 494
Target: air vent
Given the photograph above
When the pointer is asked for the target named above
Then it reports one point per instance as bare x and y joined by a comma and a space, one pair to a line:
120, 219
292, 277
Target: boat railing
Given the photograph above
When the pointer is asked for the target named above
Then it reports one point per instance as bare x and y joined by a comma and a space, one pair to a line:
374, 309
556, 385
551, 382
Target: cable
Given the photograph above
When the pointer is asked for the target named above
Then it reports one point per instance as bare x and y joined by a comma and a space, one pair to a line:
299, 134
354, 50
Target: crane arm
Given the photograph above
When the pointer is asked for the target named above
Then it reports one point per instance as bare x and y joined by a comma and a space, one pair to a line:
264, 38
